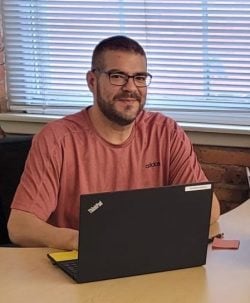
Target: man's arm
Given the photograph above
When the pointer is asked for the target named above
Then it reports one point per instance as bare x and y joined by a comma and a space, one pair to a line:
25, 229
215, 212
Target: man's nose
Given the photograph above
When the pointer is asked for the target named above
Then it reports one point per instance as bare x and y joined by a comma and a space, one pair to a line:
130, 85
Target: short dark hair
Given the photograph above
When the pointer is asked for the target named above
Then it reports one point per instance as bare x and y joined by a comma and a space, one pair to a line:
119, 43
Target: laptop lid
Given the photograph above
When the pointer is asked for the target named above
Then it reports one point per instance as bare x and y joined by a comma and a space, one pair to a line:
143, 231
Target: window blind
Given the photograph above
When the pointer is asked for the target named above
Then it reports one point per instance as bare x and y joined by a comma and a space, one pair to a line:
198, 53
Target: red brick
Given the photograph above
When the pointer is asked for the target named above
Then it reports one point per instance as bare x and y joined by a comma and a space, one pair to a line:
223, 155
229, 174
213, 173
231, 195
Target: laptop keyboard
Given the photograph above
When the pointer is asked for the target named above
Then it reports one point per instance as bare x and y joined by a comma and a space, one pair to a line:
71, 266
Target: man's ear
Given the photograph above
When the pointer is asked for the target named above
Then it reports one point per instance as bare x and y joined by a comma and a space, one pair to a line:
90, 77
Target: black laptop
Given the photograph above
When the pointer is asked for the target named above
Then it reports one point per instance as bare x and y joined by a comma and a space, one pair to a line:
134, 232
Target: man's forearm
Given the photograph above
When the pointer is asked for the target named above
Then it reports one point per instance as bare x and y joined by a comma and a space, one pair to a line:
27, 230
215, 212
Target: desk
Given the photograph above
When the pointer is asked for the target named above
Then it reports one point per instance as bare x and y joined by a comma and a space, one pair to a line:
26, 275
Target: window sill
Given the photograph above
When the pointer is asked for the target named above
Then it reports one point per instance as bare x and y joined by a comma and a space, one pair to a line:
203, 134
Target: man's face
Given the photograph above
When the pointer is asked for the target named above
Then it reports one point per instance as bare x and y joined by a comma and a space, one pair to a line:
120, 104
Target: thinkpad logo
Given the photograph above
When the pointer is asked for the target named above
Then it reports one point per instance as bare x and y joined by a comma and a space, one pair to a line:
153, 164
95, 207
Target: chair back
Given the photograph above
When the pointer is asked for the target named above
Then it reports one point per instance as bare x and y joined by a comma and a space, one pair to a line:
13, 154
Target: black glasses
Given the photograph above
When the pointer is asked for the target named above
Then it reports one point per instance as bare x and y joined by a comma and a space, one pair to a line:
120, 78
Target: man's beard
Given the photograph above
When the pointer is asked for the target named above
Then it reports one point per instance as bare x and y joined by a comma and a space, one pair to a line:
109, 111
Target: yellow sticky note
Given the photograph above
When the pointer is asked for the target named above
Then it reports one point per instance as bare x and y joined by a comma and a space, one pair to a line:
64, 255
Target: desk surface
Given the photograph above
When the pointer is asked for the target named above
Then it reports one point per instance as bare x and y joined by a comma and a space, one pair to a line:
26, 275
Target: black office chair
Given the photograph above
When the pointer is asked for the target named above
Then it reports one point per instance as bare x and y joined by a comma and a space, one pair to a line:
13, 154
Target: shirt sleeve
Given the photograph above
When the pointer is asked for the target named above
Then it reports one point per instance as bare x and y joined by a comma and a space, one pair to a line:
184, 165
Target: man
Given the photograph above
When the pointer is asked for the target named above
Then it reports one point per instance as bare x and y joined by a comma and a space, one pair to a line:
112, 145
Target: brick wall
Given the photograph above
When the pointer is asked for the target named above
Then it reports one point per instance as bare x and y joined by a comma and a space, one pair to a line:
225, 166
2, 72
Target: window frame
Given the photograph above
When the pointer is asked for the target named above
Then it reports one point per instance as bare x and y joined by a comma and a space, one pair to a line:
183, 116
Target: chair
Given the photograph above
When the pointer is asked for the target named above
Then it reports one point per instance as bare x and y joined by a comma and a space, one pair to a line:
13, 154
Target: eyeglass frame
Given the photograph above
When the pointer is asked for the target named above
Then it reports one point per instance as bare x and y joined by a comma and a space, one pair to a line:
110, 72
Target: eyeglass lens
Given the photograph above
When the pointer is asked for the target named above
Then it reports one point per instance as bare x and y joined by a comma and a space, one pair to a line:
122, 79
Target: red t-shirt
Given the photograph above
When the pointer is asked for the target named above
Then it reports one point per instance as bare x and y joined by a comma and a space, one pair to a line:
69, 158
